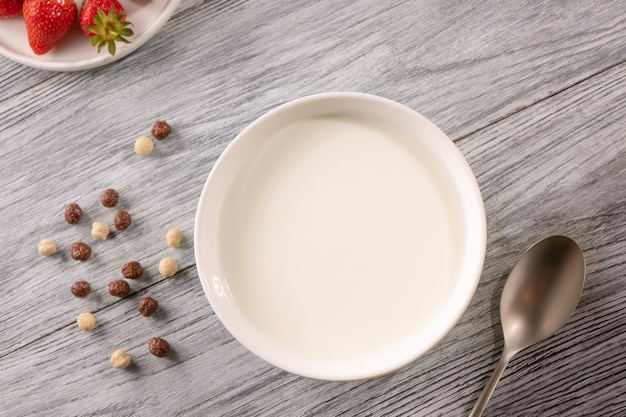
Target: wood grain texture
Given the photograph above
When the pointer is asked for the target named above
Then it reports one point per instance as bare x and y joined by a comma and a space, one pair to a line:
533, 93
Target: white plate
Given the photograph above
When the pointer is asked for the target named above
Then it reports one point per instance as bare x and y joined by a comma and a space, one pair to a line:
340, 236
74, 52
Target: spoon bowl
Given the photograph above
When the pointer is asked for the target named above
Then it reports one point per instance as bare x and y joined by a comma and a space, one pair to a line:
542, 291
539, 296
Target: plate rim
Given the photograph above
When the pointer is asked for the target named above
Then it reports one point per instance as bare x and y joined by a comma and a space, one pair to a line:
102, 58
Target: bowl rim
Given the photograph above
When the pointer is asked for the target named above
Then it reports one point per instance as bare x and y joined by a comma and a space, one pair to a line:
471, 269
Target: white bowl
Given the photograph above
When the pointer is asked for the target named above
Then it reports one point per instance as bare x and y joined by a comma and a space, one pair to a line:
340, 236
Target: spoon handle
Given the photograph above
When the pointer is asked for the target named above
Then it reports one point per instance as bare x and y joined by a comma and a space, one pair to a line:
485, 395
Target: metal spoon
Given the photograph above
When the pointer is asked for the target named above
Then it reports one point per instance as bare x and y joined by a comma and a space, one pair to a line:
539, 296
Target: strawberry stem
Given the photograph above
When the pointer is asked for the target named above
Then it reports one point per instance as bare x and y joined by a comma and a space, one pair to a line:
109, 29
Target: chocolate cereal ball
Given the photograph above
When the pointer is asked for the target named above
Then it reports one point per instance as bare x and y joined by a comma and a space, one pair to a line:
159, 347
147, 306
122, 220
80, 289
160, 130
109, 198
73, 213
80, 251
132, 270
119, 288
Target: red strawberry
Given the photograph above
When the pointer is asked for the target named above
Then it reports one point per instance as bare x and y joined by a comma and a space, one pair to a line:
10, 8
47, 21
105, 22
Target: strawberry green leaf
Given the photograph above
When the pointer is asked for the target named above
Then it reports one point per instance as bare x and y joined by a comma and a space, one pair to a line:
109, 28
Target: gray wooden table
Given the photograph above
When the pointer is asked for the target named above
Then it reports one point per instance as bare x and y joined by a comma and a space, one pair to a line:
533, 93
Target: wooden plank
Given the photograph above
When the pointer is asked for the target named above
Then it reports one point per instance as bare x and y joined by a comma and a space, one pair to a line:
555, 167
463, 64
558, 169
69, 136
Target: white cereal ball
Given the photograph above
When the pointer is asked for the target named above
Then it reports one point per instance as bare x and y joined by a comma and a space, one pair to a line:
86, 321
99, 230
173, 238
120, 359
47, 247
143, 146
168, 267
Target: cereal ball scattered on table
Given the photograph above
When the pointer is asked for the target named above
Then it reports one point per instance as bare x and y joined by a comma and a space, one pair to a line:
159, 347
122, 220
46, 247
173, 238
86, 321
168, 267
80, 251
160, 130
119, 288
99, 231
109, 198
132, 270
143, 146
147, 306
73, 213
81, 289
120, 359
